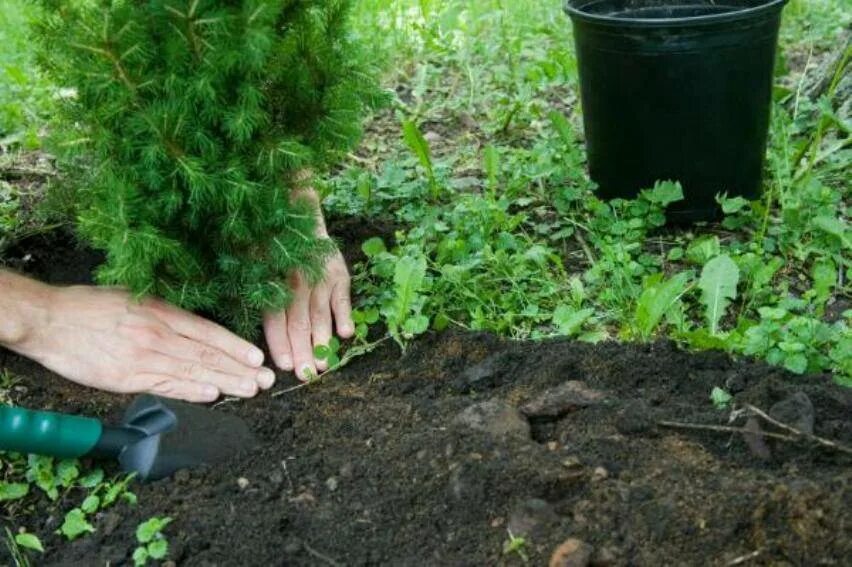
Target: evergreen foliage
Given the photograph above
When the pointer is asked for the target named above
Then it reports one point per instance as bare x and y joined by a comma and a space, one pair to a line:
194, 120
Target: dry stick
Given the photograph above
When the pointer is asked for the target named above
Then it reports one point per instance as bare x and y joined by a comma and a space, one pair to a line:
724, 429
743, 558
321, 556
820, 440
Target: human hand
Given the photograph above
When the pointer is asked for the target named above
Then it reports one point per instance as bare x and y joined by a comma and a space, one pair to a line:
293, 333
104, 339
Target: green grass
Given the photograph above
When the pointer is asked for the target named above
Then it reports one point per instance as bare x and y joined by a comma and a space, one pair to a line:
25, 97
481, 165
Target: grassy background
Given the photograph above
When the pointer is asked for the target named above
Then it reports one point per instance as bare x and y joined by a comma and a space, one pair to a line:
480, 165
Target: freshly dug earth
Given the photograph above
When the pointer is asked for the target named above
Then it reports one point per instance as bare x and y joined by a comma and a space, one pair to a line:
432, 457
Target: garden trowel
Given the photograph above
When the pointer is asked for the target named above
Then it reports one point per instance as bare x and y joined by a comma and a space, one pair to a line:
156, 437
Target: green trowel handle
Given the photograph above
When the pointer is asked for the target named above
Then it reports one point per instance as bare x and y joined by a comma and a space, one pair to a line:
47, 433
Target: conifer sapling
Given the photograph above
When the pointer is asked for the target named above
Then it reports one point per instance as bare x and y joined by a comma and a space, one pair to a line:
192, 122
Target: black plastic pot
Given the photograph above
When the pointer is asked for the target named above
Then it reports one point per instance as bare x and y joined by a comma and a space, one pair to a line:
676, 90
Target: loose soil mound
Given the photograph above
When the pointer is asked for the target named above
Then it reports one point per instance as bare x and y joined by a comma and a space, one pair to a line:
432, 457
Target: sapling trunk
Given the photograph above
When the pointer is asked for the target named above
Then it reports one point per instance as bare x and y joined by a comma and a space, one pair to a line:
192, 120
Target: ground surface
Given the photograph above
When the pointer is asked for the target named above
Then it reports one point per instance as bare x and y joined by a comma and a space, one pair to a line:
431, 457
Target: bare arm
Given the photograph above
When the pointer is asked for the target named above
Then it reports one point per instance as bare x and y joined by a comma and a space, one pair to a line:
105, 339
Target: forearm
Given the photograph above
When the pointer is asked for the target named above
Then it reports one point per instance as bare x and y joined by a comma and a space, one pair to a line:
23, 308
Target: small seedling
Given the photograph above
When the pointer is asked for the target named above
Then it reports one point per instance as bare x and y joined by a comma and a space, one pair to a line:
720, 398
329, 353
152, 543
516, 545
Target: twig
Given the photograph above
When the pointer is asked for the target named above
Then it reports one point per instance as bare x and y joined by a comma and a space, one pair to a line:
291, 389
321, 556
744, 558
724, 429
816, 439
350, 355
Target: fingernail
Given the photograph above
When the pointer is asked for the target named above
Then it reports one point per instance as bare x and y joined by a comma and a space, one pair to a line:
210, 392
306, 374
346, 330
255, 356
285, 362
266, 378
248, 388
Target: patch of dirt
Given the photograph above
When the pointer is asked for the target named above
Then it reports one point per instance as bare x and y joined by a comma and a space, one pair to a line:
431, 457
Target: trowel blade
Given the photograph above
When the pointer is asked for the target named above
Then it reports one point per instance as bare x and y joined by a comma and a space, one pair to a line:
179, 435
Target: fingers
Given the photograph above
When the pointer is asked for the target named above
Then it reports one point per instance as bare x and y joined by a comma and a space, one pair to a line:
209, 357
299, 330
341, 305
189, 371
320, 320
186, 390
204, 331
278, 339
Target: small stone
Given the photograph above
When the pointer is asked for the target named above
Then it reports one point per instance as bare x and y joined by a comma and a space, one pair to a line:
421, 454
600, 474
347, 470
530, 517
495, 418
572, 553
572, 462
169, 564
796, 410
292, 546
552, 446
565, 398
332, 483
243, 483
497, 522
432, 137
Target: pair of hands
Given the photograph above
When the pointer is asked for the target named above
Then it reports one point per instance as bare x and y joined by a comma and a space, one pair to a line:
104, 339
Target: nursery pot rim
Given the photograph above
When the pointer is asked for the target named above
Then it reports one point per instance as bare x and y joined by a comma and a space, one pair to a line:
576, 9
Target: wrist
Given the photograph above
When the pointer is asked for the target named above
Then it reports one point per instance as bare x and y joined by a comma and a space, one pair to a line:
25, 304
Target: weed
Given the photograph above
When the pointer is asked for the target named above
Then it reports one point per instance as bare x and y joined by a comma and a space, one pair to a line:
517, 545
152, 542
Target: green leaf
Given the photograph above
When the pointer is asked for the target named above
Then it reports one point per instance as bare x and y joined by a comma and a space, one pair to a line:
416, 325
75, 524
702, 250
835, 227
158, 549
373, 247
824, 274
90, 504
417, 144
408, 277
721, 399
13, 490
562, 127
664, 193
67, 472
718, 284
797, 363
140, 557
569, 321
92, 479
149, 529
657, 298
29, 541
321, 352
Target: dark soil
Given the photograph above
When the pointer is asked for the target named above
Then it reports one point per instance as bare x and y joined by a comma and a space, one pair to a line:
431, 457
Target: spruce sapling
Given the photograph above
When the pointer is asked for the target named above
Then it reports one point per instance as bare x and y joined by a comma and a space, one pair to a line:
192, 123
